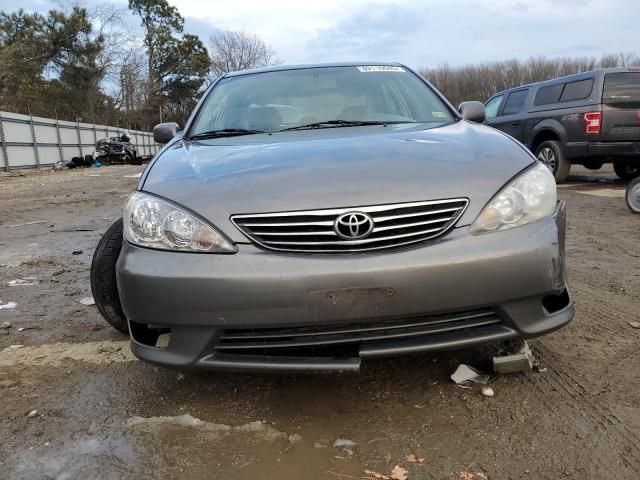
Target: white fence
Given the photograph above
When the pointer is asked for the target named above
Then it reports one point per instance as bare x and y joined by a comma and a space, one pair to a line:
33, 142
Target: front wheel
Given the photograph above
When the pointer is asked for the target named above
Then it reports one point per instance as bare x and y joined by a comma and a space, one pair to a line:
103, 277
633, 196
550, 154
626, 171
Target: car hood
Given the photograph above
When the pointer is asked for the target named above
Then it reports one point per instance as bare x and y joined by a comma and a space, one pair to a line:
333, 168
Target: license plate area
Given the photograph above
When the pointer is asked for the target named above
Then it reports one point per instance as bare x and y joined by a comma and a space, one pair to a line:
353, 303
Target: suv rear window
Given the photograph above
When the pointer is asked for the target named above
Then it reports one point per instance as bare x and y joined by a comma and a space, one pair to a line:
550, 94
577, 90
515, 102
621, 87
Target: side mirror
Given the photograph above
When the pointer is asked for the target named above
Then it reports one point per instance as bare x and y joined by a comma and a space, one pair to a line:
472, 111
164, 132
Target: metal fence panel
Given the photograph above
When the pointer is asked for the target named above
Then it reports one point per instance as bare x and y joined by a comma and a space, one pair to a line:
27, 141
23, 153
48, 155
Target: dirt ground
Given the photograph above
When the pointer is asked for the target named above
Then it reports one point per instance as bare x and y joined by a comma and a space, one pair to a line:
99, 413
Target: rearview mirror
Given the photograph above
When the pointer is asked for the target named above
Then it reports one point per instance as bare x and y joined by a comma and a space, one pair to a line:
164, 132
472, 111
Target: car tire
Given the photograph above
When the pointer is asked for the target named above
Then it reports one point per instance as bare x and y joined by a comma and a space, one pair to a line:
626, 171
550, 153
103, 277
633, 195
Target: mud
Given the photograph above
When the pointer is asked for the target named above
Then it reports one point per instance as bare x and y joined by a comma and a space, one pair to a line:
103, 414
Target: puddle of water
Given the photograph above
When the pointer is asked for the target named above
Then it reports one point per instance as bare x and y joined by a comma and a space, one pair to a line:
84, 457
261, 430
7, 305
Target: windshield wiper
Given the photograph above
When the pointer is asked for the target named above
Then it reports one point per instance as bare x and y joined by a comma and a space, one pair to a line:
340, 123
224, 132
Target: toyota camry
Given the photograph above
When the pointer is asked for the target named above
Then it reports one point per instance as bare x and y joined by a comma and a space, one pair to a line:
312, 217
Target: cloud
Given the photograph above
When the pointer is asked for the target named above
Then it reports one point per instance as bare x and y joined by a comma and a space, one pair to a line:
376, 31
202, 28
416, 32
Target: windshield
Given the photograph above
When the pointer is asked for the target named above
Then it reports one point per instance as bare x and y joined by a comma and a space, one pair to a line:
280, 100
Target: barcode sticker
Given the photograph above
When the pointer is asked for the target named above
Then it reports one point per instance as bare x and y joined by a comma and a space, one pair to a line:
380, 68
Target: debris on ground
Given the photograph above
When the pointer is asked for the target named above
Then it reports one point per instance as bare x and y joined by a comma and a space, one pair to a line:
180, 377
343, 442
5, 325
134, 175
399, 473
347, 451
412, 458
13, 347
464, 374
22, 329
22, 282
488, 392
62, 164
516, 361
76, 252
634, 324
539, 368
25, 224
87, 301
7, 305
377, 475
108, 348
32, 413
295, 438
469, 476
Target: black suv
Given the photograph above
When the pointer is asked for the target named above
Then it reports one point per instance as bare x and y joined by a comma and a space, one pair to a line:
589, 119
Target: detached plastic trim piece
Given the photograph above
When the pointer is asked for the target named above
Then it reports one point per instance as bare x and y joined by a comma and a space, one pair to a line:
256, 363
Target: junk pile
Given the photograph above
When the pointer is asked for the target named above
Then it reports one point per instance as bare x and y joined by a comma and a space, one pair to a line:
115, 150
510, 357
77, 162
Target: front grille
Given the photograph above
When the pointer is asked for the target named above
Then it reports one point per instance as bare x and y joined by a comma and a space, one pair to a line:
314, 230
327, 338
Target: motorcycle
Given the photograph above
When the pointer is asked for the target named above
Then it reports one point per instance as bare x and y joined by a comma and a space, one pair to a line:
116, 150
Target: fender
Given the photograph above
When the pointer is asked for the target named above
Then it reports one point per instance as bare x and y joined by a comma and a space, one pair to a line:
550, 125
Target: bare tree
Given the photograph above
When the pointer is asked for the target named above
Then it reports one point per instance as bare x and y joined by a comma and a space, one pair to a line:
232, 51
480, 81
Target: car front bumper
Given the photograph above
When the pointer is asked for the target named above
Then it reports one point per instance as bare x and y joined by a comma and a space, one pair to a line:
264, 310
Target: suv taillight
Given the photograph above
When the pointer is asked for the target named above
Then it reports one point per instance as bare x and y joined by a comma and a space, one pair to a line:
592, 122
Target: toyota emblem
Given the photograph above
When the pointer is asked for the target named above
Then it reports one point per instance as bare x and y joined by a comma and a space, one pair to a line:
353, 225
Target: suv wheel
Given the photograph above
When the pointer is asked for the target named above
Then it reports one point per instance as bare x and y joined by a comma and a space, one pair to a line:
626, 171
103, 277
550, 153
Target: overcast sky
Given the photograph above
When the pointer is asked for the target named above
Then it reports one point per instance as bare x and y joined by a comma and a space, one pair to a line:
416, 32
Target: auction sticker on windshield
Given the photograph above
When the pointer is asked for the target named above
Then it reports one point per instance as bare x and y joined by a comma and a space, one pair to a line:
380, 68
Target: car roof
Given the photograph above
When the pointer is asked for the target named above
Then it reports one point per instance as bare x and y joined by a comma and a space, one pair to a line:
573, 76
279, 68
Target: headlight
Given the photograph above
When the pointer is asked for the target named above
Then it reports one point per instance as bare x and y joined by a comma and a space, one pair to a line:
530, 197
152, 222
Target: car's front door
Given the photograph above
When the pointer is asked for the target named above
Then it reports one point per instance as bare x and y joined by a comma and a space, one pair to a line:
510, 115
492, 107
